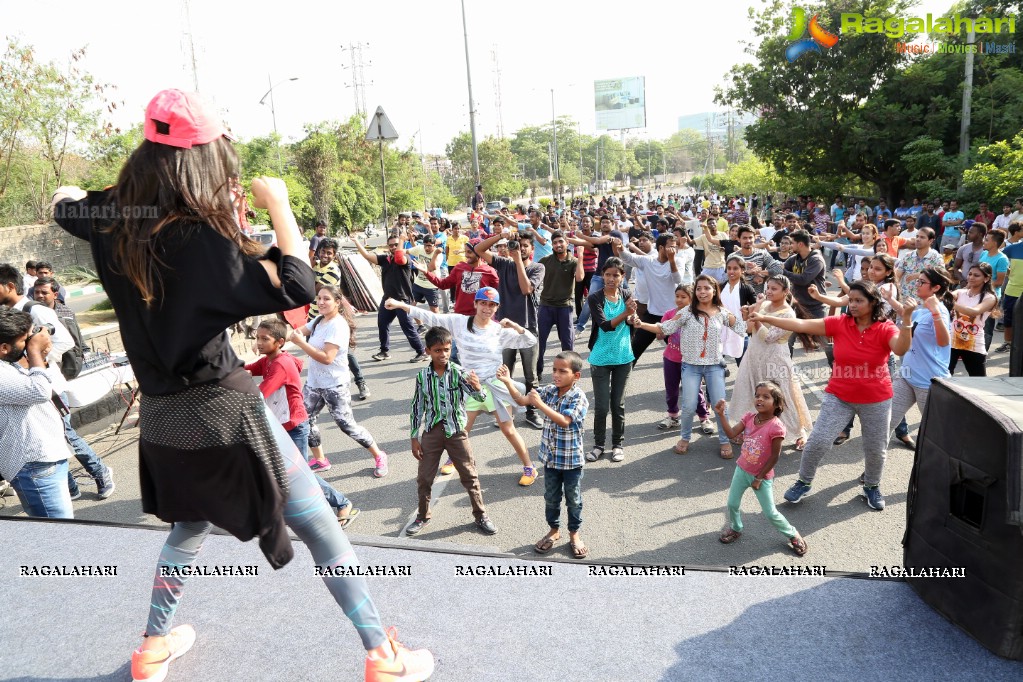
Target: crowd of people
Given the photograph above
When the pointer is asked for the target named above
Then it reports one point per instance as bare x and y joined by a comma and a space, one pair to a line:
715, 279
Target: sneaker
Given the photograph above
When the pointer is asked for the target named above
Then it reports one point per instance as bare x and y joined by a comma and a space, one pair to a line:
707, 426
617, 454
380, 465
404, 665
875, 500
669, 423
421, 357
798, 491
416, 526
105, 483
528, 476
533, 420
151, 666
578, 333
363, 391
1004, 348
6, 490
319, 465
76, 495
382, 355
448, 468
486, 525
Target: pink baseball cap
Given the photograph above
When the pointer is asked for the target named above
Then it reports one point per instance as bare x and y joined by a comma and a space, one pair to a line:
189, 120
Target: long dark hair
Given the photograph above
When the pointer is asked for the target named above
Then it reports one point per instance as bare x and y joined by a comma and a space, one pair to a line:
716, 300
344, 307
801, 312
988, 286
870, 292
938, 277
174, 185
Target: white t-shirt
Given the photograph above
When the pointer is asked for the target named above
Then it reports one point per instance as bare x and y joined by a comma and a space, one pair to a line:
335, 332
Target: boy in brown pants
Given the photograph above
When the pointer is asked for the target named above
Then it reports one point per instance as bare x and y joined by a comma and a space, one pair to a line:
438, 424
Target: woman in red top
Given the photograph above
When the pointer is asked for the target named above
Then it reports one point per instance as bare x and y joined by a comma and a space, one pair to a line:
860, 383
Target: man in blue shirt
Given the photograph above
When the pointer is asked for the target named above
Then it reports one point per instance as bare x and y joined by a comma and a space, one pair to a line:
881, 212
951, 222
541, 235
916, 209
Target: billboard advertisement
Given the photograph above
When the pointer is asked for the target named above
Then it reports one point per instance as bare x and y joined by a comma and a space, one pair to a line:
620, 103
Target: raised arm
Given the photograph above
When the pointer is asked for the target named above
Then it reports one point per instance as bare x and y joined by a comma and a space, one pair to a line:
371, 257
483, 248
808, 327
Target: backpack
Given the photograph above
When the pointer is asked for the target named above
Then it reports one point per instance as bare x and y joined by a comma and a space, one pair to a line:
72, 361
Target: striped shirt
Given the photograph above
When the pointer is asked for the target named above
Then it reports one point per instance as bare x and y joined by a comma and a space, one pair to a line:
30, 426
441, 399
328, 275
479, 349
561, 447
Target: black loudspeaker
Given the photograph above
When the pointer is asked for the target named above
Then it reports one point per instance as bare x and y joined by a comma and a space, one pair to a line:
1016, 352
963, 508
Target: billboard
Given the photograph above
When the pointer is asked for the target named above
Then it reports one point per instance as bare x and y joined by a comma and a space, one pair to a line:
620, 103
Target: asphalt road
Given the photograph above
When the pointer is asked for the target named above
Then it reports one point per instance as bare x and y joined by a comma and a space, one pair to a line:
655, 507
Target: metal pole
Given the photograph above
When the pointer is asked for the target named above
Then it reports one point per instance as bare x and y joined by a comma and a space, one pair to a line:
554, 126
383, 179
964, 126
472, 107
273, 114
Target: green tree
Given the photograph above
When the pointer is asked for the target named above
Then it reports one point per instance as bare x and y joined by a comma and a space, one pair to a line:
498, 167
998, 174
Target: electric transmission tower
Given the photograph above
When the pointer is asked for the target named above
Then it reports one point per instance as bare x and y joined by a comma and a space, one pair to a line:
357, 66
497, 93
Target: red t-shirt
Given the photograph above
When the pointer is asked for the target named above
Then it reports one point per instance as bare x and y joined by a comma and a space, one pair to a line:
860, 374
758, 443
282, 387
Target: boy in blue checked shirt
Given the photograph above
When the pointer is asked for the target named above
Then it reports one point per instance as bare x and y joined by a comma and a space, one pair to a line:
438, 424
564, 407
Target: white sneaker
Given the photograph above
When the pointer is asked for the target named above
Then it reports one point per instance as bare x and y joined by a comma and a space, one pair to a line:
669, 423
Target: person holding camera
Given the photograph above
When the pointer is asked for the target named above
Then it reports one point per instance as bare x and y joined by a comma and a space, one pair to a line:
33, 453
519, 283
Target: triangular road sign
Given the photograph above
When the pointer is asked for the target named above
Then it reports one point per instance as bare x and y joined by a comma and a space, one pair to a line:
380, 127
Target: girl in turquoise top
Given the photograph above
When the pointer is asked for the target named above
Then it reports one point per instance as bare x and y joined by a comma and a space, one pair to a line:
610, 358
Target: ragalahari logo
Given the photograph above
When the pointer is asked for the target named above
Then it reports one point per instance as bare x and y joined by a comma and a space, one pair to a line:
818, 36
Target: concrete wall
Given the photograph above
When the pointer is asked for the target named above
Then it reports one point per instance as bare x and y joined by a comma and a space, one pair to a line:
21, 243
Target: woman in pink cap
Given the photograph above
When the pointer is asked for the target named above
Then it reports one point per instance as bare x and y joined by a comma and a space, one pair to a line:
174, 262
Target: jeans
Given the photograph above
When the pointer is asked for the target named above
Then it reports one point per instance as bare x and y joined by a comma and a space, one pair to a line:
989, 332
548, 317
42, 489
692, 376
300, 437
85, 455
609, 383
716, 273
355, 369
672, 382
568, 481
596, 284
313, 523
904, 394
384, 319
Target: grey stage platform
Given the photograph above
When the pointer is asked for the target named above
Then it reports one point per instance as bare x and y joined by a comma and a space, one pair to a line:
570, 626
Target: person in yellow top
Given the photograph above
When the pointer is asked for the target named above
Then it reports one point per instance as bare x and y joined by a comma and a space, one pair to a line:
456, 245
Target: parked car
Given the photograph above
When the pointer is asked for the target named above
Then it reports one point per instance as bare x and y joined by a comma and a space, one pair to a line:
267, 237
494, 206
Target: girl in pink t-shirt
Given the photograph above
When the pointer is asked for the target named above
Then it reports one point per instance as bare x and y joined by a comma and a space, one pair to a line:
763, 434
673, 368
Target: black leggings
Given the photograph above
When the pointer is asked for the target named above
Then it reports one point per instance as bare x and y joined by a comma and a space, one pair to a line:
972, 361
581, 289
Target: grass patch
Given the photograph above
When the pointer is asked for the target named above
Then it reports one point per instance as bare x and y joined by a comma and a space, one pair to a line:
103, 305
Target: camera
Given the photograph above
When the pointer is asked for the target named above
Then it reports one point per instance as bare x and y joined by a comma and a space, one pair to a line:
513, 244
48, 327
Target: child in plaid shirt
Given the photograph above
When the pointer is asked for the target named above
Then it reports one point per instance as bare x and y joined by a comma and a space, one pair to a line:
564, 407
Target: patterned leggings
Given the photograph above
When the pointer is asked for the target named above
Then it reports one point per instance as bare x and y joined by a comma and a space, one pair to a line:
306, 512
338, 402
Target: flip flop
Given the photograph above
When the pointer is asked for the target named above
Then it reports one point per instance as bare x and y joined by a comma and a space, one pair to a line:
726, 453
841, 439
729, 536
680, 450
346, 520
544, 545
800, 444
580, 550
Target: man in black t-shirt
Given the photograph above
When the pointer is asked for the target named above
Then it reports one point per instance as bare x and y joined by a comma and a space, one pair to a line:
396, 273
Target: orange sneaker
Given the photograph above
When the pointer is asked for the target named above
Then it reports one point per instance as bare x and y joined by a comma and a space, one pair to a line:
404, 665
152, 665
528, 476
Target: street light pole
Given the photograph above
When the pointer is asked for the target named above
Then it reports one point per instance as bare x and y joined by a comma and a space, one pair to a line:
273, 115
472, 107
554, 126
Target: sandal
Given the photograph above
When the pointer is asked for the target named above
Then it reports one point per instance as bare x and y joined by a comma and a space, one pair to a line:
544, 544
842, 437
729, 536
726, 451
580, 550
596, 453
617, 453
347, 514
798, 545
800, 444
681, 447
